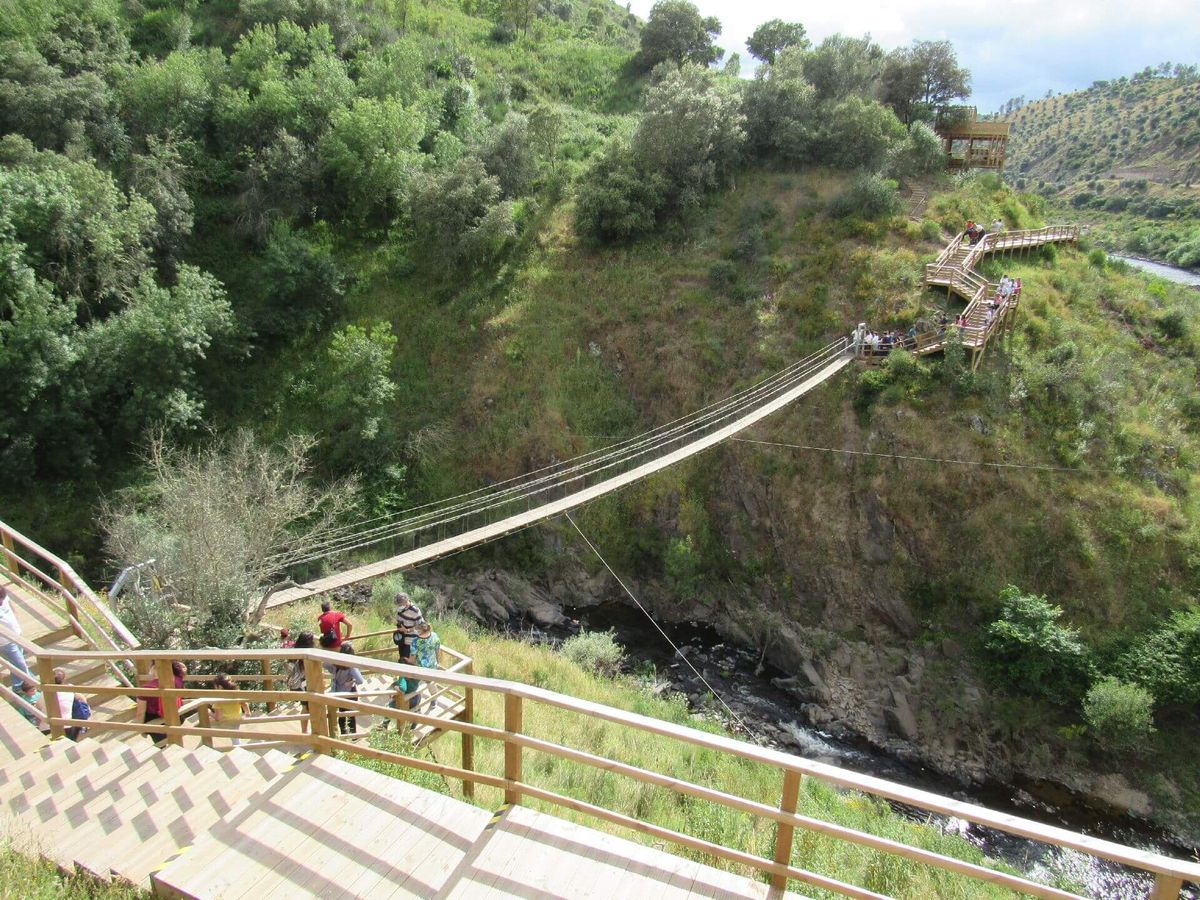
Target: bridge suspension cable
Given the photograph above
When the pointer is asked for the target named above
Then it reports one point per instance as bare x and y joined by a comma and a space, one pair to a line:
558, 475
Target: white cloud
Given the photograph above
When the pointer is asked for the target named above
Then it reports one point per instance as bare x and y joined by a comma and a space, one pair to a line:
1019, 47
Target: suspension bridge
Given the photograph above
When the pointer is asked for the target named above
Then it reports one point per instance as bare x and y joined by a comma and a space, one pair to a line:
477, 517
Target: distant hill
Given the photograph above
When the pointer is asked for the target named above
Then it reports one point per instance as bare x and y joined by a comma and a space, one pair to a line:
1123, 156
1144, 127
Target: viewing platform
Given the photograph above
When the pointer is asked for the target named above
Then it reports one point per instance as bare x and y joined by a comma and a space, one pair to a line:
969, 142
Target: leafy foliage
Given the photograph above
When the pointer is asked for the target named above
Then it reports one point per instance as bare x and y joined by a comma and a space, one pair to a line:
676, 32
1166, 661
1029, 651
1119, 715
774, 36
595, 651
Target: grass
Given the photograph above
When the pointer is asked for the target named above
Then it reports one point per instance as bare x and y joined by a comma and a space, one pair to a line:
500, 657
25, 876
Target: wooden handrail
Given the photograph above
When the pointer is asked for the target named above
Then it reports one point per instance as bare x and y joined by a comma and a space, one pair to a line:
515, 695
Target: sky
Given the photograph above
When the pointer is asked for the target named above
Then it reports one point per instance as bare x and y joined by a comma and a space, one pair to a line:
1012, 48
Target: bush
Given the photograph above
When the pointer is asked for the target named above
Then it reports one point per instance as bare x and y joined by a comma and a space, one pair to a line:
722, 277
1119, 715
868, 197
596, 651
931, 230
1167, 660
1098, 258
1030, 652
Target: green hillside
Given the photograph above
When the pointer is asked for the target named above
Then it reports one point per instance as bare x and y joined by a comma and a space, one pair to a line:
1124, 155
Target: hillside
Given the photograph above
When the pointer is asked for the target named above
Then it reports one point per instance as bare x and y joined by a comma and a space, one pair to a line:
1124, 154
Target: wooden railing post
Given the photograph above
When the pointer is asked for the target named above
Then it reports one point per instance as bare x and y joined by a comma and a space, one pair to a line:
10, 558
72, 605
268, 683
45, 666
1166, 887
170, 709
314, 683
205, 719
468, 740
513, 716
783, 831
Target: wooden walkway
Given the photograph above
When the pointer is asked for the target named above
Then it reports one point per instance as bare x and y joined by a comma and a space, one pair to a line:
198, 823
988, 314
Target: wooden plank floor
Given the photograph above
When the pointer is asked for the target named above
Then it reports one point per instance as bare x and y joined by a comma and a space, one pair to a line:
536, 856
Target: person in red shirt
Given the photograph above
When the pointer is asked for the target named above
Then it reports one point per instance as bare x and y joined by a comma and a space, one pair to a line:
330, 625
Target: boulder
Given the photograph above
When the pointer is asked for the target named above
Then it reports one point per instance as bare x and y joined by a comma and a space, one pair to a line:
900, 716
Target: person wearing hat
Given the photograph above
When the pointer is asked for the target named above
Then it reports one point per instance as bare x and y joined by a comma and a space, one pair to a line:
424, 653
408, 619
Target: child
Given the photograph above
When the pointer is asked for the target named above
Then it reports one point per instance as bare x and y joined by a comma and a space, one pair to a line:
424, 654
229, 713
73, 705
346, 680
297, 680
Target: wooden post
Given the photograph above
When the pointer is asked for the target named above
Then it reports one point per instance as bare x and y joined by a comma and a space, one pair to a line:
166, 681
784, 832
72, 605
468, 740
205, 722
45, 666
314, 683
512, 752
10, 558
1166, 887
268, 683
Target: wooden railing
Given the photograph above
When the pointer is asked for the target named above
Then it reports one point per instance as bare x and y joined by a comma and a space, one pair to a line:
519, 781
58, 588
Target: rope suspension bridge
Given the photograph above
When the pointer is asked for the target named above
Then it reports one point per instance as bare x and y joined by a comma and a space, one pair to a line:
477, 517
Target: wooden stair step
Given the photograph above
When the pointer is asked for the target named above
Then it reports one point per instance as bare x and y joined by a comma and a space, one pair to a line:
192, 808
258, 849
18, 735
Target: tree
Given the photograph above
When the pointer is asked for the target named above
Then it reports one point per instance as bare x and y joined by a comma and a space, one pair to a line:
349, 395
920, 153
840, 66
918, 80
771, 37
676, 32
1166, 660
508, 154
856, 133
371, 151
616, 201
781, 110
1030, 652
460, 216
691, 132
220, 522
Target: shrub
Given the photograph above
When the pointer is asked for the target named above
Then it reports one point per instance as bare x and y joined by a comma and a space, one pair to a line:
868, 197
1098, 258
1028, 650
931, 230
595, 651
1119, 715
1167, 660
722, 276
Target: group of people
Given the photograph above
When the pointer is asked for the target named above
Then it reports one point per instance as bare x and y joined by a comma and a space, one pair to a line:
881, 344
975, 232
416, 642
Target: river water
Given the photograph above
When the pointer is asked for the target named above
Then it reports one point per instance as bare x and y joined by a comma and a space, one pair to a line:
1171, 273
773, 716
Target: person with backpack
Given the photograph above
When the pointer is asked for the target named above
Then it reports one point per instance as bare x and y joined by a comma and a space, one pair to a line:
76, 706
346, 680
330, 626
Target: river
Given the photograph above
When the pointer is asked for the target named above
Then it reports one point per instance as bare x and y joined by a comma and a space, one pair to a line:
773, 716
1170, 273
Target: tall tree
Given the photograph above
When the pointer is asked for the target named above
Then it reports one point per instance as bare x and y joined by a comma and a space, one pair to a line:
771, 37
917, 80
841, 66
676, 32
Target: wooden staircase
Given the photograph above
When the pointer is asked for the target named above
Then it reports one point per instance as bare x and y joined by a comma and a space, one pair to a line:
201, 823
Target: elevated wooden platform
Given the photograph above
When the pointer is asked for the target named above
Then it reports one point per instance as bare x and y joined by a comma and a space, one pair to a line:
969, 142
